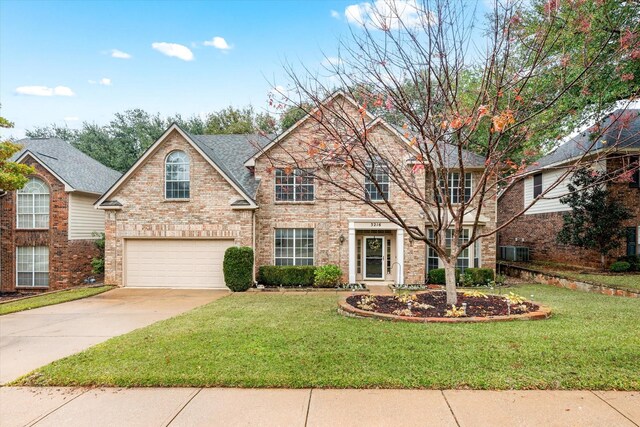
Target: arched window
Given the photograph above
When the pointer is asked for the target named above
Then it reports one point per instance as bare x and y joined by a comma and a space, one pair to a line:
33, 205
176, 176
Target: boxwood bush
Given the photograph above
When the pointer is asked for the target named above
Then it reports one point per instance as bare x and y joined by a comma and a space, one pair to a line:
238, 268
437, 276
286, 275
477, 276
633, 260
327, 276
620, 266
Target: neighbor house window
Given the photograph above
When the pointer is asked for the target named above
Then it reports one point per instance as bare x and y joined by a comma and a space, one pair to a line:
537, 185
454, 185
294, 246
295, 186
633, 241
176, 176
464, 259
33, 205
635, 178
376, 184
32, 265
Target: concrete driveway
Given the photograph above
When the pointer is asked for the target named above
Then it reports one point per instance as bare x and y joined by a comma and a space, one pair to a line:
33, 338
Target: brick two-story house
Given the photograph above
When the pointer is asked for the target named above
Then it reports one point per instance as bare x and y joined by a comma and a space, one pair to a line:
47, 228
618, 149
170, 218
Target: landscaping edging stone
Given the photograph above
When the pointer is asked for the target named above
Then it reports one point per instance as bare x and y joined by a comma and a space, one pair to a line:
561, 281
346, 309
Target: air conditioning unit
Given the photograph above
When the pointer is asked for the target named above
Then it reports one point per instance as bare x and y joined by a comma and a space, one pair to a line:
514, 253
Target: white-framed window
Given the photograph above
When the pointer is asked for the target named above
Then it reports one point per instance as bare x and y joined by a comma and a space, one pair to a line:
32, 266
376, 184
633, 241
454, 185
537, 185
295, 186
33, 205
294, 246
471, 253
176, 176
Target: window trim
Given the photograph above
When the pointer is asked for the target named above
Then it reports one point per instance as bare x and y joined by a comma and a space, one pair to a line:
33, 269
313, 251
452, 188
165, 181
368, 181
33, 214
293, 173
537, 187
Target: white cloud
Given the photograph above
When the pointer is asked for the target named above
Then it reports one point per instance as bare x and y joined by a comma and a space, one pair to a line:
218, 43
174, 49
331, 61
44, 91
115, 53
388, 14
71, 119
335, 14
103, 81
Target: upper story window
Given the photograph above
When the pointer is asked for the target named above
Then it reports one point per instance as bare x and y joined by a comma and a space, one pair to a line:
537, 185
376, 185
295, 186
176, 176
454, 185
635, 178
33, 205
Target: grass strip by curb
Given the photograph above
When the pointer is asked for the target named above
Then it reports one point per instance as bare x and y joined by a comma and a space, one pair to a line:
51, 299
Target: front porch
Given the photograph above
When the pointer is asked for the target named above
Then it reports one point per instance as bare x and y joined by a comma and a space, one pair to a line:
376, 252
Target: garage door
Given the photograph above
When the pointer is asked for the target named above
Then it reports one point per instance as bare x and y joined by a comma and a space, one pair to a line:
175, 263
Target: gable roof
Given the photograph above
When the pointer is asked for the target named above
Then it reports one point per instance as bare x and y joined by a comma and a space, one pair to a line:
76, 170
226, 153
251, 161
622, 133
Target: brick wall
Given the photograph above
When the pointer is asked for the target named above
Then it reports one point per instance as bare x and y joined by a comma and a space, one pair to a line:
146, 214
69, 261
329, 214
539, 231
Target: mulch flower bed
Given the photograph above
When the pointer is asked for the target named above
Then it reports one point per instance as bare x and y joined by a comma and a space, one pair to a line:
434, 304
8, 296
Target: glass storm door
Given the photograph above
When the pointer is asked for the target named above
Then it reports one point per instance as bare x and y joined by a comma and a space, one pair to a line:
374, 257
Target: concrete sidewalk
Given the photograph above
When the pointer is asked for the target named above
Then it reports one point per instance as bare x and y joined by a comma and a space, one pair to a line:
317, 407
33, 338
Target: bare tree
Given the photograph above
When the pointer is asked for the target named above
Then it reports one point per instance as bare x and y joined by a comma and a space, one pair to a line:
466, 94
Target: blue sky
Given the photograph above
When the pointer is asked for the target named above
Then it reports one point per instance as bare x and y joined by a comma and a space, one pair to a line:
57, 59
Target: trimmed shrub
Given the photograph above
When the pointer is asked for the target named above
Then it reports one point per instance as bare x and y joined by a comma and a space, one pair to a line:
437, 276
620, 266
633, 260
238, 268
286, 275
477, 276
327, 276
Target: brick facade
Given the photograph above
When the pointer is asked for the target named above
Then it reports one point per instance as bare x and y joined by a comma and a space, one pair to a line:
69, 260
146, 213
539, 231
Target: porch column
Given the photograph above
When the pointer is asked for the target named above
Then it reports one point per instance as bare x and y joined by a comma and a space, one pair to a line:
400, 256
352, 253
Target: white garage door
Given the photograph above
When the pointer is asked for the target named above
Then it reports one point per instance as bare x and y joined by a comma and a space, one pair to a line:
175, 263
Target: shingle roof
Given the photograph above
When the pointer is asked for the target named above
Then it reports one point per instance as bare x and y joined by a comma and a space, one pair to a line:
622, 132
229, 152
73, 166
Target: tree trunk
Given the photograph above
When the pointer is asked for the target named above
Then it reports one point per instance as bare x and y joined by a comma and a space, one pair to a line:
602, 262
450, 280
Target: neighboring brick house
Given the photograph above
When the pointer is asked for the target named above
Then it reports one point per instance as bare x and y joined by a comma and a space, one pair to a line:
46, 227
170, 218
616, 150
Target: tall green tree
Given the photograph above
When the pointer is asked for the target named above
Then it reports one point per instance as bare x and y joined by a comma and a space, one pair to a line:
13, 176
596, 219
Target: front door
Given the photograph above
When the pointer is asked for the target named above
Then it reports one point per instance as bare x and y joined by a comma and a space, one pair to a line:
374, 248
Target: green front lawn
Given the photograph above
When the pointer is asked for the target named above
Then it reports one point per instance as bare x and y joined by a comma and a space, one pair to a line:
288, 340
50, 299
